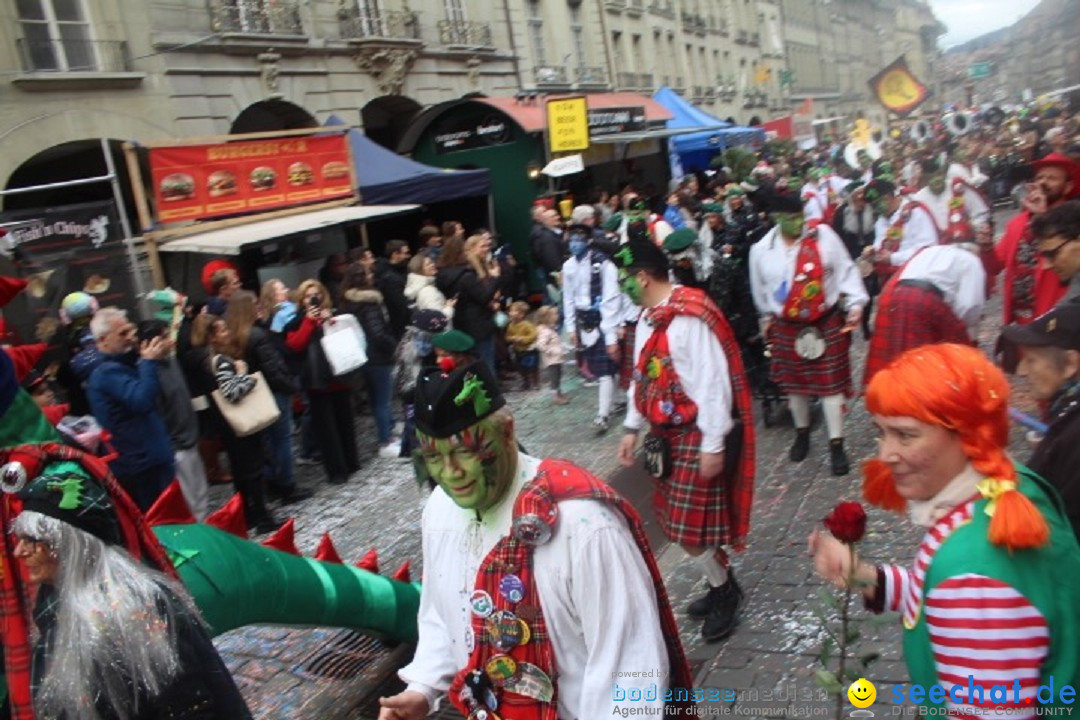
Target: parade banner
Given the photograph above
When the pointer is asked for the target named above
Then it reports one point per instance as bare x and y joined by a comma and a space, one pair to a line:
198, 182
898, 89
62, 250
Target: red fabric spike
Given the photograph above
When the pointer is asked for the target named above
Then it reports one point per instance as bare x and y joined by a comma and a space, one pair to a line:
55, 413
402, 573
369, 562
230, 518
327, 552
9, 288
25, 357
284, 539
170, 508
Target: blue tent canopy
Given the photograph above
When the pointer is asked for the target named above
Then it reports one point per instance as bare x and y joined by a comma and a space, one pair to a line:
388, 178
697, 149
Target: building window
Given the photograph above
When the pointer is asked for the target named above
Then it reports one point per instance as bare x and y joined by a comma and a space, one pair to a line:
57, 35
455, 11
536, 33
367, 18
579, 36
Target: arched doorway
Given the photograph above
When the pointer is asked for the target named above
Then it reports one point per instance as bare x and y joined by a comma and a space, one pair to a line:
270, 115
73, 160
385, 118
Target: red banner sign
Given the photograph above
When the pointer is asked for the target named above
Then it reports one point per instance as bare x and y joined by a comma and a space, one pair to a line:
196, 182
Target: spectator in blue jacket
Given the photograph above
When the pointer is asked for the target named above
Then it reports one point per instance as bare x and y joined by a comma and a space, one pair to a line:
123, 392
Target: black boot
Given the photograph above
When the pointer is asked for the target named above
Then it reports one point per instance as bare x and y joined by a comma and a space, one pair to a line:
724, 614
801, 447
699, 609
838, 457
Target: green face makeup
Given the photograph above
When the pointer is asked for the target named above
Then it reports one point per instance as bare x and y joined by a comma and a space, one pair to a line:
791, 224
630, 286
936, 184
474, 467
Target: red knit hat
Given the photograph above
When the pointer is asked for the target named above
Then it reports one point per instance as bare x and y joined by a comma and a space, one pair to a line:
9, 288
212, 267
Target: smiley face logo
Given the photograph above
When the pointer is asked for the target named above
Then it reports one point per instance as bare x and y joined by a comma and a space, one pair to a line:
862, 693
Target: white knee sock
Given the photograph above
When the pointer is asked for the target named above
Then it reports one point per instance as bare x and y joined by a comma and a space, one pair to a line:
607, 395
800, 410
715, 573
833, 405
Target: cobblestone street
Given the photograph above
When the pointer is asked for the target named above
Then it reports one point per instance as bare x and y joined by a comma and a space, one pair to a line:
774, 649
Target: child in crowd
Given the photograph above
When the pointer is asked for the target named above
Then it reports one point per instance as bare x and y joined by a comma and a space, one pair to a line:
521, 337
550, 347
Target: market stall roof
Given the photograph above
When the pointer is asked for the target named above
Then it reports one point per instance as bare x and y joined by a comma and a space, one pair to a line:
386, 177
231, 240
713, 134
531, 115
628, 137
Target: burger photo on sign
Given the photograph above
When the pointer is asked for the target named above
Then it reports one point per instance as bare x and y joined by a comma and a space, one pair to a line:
300, 173
221, 182
177, 186
263, 178
335, 169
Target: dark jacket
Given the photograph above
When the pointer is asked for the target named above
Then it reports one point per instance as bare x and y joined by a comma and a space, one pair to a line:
174, 405
472, 314
547, 249
123, 393
1057, 458
390, 281
367, 306
202, 690
262, 355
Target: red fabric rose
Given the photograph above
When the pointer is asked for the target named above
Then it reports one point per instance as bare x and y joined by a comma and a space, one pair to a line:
847, 522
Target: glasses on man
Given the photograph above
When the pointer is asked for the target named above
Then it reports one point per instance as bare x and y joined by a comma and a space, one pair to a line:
1049, 255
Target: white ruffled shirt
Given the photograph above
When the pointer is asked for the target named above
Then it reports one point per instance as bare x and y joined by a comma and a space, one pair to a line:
596, 592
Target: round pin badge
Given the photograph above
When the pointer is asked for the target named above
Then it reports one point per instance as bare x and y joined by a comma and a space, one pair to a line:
526, 633
481, 603
527, 612
531, 529
512, 588
500, 669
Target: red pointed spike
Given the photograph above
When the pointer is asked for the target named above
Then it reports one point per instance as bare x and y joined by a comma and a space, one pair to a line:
9, 288
284, 539
55, 413
327, 552
25, 357
170, 508
369, 562
230, 518
402, 573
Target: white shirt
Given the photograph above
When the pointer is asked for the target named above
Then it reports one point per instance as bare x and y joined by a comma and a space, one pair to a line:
815, 199
596, 593
772, 270
577, 295
702, 367
960, 276
972, 174
976, 206
920, 230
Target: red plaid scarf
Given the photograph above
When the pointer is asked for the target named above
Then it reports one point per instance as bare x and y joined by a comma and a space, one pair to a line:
1022, 290
557, 480
14, 598
695, 303
806, 299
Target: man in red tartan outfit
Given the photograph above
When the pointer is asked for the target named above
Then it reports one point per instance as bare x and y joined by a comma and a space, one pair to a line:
810, 297
689, 387
540, 594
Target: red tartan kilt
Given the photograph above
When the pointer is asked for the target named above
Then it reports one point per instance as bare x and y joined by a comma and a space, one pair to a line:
626, 346
692, 511
910, 317
830, 374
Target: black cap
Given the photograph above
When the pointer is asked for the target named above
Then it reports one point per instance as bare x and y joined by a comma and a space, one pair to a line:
432, 321
641, 255
1060, 327
449, 402
778, 202
878, 188
76, 499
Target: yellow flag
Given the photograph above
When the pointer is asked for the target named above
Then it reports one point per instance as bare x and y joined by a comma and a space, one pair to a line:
898, 89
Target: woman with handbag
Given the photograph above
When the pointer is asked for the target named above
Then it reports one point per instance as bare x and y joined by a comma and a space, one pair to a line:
254, 346
212, 367
366, 303
330, 395
464, 276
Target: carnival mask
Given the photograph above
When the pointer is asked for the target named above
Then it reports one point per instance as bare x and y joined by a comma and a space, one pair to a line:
791, 224
476, 466
630, 286
936, 184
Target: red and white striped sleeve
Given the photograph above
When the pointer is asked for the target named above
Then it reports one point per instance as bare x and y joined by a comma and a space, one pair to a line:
984, 628
897, 584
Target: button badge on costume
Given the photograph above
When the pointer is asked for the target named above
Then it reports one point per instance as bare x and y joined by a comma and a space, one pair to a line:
481, 603
531, 529
505, 630
501, 669
511, 588
532, 682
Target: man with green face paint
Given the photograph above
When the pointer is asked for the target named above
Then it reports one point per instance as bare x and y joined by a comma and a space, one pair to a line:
690, 390
960, 210
530, 567
798, 273
904, 226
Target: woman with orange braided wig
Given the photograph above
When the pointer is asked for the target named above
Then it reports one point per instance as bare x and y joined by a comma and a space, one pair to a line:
991, 605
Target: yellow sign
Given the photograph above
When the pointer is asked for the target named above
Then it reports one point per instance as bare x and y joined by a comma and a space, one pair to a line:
568, 125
